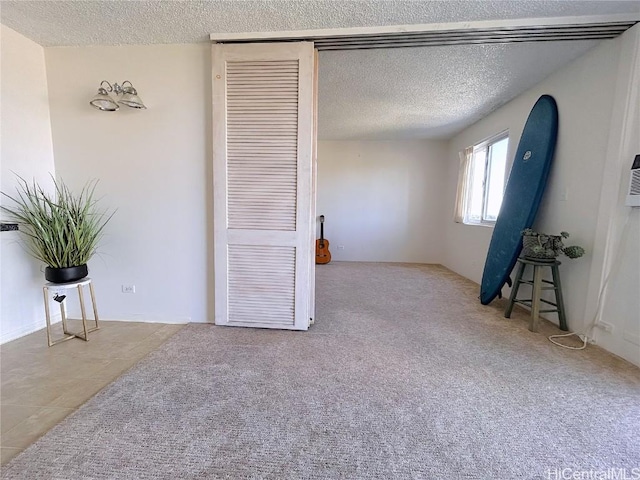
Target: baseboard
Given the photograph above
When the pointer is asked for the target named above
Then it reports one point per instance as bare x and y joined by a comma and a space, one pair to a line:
151, 319
631, 337
55, 318
23, 330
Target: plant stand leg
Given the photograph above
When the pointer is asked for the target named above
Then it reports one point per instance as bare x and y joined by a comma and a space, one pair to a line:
84, 313
562, 318
535, 298
45, 292
63, 316
95, 307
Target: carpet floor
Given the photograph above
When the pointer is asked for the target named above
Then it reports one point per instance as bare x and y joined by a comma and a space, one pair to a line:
403, 375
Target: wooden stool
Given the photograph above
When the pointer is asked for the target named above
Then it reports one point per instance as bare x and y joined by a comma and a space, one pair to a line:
535, 300
56, 287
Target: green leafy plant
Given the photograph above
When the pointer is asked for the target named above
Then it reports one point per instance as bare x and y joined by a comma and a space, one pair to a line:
543, 245
62, 229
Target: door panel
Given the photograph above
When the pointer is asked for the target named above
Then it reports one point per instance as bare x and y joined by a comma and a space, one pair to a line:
263, 152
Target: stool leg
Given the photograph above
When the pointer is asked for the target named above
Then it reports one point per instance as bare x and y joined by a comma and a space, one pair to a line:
93, 302
45, 292
535, 298
514, 291
562, 319
84, 313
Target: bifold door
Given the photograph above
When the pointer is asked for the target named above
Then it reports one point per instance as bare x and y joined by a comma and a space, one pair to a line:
263, 154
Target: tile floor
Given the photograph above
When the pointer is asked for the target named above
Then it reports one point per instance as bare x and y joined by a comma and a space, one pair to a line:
41, 385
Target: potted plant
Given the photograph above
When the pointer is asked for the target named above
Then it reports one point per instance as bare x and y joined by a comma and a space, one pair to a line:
545, 247
62, 229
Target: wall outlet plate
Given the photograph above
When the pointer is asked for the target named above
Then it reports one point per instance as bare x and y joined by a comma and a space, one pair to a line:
564, 195
607, 327
128, 289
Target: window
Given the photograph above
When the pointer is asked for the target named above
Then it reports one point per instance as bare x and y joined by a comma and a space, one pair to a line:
482, 180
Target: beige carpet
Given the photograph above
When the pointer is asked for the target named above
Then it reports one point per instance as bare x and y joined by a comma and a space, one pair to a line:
404, 375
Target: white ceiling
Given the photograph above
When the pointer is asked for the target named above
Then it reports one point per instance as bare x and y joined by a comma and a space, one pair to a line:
430, 92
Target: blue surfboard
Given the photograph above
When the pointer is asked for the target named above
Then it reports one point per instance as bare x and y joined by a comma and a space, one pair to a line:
522, 195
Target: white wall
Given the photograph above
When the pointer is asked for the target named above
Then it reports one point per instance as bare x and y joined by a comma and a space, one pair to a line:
585, 91
616, 271
382, 201
153, 166
25, 149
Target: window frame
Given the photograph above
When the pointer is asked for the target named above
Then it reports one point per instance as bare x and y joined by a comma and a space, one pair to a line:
485, 147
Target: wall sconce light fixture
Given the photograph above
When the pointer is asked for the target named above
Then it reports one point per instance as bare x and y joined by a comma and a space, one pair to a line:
128, 96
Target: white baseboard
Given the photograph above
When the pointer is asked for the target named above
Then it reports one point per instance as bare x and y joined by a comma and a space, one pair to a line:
151, 319
23, 330
631, 337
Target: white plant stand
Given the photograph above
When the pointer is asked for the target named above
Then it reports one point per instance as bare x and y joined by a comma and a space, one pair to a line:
79, 286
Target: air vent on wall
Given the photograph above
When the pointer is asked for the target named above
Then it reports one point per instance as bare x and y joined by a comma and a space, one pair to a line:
8, 227
633, 195
467, 33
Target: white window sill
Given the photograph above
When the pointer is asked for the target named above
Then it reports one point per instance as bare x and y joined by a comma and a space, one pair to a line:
489, 225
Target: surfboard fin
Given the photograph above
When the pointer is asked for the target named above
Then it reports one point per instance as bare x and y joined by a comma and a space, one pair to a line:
508, 282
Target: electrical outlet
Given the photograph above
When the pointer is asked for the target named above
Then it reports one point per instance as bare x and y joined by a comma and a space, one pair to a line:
607, 327
128, 289
564, 195
340, 247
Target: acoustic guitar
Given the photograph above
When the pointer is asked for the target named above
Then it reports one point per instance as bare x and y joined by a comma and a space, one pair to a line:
322, 246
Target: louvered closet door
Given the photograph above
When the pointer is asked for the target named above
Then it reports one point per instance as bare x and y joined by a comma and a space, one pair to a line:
262, 148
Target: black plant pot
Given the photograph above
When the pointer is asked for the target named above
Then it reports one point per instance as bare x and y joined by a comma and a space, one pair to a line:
67, 274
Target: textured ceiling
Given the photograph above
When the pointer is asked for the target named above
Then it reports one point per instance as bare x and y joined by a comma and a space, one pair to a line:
431, 92
75, 23
385, 94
